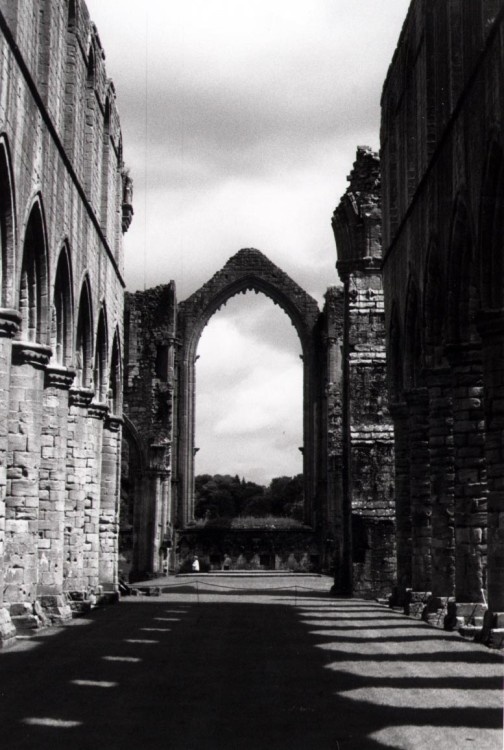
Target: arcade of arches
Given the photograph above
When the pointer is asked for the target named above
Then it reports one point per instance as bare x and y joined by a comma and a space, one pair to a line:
403, 368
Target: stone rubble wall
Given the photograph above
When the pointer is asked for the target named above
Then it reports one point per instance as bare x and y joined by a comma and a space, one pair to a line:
65, 201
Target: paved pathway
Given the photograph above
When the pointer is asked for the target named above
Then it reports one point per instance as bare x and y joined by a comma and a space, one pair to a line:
249, 667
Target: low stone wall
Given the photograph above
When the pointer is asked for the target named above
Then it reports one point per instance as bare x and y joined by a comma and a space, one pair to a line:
249, 549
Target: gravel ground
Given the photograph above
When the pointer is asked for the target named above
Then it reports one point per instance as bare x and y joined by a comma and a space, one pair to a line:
232, 663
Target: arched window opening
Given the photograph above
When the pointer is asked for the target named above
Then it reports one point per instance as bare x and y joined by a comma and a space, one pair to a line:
434, 310
106, 155
115, 378
72, 16
395, 359
492, 229
464, 295
33, 287
249, 392
62, 312
91, 179
100, 367
413, 331
84, 345
91, 69
6, 229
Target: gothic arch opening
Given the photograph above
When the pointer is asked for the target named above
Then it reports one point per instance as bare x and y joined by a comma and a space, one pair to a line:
100, 375
62, 312
84, 341
33, 300
115, 379
7, 239
248, 270
249, 388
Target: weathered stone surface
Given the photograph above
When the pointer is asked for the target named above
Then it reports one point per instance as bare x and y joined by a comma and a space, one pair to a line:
367, 431
62, 190
442, 188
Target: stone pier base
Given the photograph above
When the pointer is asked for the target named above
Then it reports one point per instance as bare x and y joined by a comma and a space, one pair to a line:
492, 632
56, 608
7, 629
467, 617
26, 616
399, 597
435, 610
415, 602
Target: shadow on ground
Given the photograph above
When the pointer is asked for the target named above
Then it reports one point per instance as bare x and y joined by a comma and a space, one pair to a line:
316, 674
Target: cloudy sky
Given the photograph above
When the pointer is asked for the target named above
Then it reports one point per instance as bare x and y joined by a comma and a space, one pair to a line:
240, 121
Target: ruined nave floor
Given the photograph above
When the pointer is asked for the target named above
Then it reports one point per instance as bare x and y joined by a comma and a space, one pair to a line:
262, 664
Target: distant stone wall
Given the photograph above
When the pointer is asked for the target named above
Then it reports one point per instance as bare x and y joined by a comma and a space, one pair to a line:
251, 549
347, 432
65, 200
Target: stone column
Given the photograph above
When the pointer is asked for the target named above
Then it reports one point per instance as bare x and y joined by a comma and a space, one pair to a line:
160, 472
491, 328
338, 501
23, 461
78, 448
470, 483
9, 326
52, 481
399, 413
97, 413
109, 504
442, 474
421, 508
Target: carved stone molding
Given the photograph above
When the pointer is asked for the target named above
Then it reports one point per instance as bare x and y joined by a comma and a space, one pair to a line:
81, 397
10, 322
59, 377
113, 422
97, 410
31, 353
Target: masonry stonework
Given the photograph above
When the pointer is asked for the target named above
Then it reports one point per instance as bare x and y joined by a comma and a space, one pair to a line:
65, 200
443, 208
161, 349
368, 454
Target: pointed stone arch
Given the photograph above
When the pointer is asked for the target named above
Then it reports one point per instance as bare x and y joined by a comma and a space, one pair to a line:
247, 270
100, 374
491, 235
115, 377
464, 290
33, 291
62, 311
7, 227
395, 359
434, 307
84, 336
413, 344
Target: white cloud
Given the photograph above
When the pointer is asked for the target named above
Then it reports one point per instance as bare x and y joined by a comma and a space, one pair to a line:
240, 122
249, 396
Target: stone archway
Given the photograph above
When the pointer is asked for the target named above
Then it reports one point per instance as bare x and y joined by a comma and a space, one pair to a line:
248, 270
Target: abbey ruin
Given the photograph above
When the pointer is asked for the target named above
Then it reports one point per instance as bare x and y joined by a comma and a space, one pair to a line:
403, 401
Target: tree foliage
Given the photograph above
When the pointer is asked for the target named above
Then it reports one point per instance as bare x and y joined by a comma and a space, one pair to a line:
225, 496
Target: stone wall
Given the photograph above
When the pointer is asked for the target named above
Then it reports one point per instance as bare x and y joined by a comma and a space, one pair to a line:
347, 432
368, 448
443, 186
65, 202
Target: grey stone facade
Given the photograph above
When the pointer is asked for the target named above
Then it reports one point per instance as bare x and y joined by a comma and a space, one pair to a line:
343, 354
64, 203
443, 208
